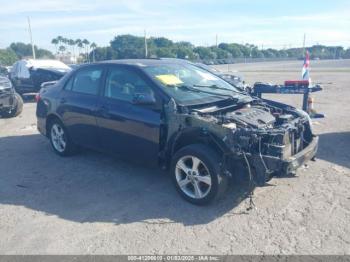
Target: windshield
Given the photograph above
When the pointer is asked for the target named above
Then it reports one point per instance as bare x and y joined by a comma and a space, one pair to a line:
189, 84
208, 68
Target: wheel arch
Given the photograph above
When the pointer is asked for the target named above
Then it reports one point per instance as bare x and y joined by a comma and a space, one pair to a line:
194, 135
49, 119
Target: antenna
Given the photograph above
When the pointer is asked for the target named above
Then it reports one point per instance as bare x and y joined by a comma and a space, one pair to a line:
31, 38
146, 49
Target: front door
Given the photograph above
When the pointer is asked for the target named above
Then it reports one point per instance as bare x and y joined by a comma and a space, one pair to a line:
125, 128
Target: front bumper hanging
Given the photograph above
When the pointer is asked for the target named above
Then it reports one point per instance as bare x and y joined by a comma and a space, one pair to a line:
265, 166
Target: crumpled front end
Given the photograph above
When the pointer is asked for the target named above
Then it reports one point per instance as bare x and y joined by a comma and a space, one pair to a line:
280, 149
7, 95
271, 138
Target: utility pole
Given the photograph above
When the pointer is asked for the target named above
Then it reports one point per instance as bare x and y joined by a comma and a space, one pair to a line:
146, 49
31, 38
304, 43
216, 40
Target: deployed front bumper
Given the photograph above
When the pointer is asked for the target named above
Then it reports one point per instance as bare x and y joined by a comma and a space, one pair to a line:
266, 166
299, 159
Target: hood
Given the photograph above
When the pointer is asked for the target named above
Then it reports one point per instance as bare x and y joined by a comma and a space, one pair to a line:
255, 114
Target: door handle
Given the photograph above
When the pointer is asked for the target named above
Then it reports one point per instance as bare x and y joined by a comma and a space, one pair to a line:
63, 100
103, 111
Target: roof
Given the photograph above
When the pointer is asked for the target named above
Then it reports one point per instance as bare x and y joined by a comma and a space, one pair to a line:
142, 62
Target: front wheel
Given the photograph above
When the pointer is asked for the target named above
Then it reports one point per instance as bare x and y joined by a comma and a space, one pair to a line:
196, 174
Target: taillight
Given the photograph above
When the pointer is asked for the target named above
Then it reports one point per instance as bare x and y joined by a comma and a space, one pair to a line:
37, 97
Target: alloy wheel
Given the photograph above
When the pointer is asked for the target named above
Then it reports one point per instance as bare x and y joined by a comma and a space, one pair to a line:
193, 177
58, 137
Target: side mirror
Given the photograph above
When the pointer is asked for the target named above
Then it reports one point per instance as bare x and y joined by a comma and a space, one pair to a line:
144, 99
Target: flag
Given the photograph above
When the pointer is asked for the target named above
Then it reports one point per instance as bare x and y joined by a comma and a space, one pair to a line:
305, 71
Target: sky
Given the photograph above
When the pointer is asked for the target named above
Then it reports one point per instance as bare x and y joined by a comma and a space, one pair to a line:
275, 24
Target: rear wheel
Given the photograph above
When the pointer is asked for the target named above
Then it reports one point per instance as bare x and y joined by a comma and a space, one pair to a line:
59, 139
196, 174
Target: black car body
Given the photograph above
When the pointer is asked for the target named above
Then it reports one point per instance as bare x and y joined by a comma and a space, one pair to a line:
11, 103
35, 75
170, 120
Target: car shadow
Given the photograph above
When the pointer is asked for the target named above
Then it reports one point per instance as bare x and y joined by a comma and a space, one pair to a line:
335, 148
94, 187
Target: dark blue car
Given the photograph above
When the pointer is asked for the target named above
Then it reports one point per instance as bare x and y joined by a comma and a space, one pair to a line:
177, 116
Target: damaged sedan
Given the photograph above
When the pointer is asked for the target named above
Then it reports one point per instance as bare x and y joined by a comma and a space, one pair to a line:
176, 116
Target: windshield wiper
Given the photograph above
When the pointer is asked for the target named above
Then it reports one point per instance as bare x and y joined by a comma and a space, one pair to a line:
193, 89
226, 89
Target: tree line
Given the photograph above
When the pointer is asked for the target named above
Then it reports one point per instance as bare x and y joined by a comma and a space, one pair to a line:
19, 50
130, 46
63, 47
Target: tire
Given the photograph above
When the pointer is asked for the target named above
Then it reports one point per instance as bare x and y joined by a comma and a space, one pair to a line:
208, 167
59, 139
18, 108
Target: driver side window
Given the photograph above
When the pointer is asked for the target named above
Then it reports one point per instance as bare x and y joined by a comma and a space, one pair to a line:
125, 84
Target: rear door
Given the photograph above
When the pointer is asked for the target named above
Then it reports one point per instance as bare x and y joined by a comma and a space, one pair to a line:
78, 104
125, 128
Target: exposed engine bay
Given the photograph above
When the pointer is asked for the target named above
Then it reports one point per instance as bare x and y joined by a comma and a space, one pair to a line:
261, 131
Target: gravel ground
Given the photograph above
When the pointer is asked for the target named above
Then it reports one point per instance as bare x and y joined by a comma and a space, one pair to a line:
95, 204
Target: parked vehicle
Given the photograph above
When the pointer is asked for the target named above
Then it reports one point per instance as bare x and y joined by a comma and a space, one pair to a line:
28, 75
11, 103
230, 78
178, 116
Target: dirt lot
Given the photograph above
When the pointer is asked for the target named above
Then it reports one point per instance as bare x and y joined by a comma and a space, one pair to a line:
95, 204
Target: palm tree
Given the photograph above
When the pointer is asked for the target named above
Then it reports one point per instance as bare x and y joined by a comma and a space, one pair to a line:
79, 44
65, 41
71, 42
86, 45
93, 47
55, 42
59, 39
62, 48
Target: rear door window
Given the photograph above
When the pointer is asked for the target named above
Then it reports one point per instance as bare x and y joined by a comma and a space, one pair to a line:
86, 81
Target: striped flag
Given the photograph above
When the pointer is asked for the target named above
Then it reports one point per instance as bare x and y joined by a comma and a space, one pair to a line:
305, 72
